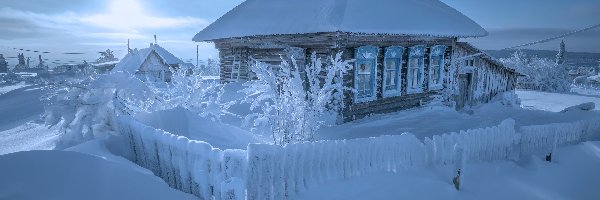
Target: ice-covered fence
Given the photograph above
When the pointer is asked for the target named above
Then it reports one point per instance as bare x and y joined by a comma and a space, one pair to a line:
276, 172
546, 138
484, 144
268, 171
191, 166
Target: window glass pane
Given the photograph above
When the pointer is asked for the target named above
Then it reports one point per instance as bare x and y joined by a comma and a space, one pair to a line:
391, 74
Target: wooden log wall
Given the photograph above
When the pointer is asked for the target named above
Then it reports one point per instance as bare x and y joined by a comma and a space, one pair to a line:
270, 49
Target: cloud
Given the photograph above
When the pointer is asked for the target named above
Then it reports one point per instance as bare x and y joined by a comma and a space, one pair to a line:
125, 19
129, 15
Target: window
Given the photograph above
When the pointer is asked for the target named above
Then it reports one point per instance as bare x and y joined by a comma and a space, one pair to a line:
436, 67
415, 74
392, 70
364, 74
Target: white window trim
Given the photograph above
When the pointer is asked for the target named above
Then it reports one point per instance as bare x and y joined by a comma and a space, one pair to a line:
416, 51
388, 51
432, 54
369, 58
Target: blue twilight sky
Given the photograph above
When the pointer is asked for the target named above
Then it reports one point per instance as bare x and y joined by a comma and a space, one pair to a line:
89, 26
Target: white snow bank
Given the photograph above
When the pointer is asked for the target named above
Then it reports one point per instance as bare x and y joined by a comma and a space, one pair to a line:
581, 107
405, 17
185, 123
71, 175
553, 102
574, 175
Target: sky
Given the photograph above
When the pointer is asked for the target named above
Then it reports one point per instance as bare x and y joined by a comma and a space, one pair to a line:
75, 30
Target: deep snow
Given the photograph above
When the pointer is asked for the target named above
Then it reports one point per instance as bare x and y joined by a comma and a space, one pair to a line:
72, 175
574, 175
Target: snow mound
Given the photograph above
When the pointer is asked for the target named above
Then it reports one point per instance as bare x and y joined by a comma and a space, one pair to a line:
71, 175
403, 17
182, 122
581, 107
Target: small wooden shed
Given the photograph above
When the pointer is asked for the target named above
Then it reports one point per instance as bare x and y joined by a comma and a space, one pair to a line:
405, 50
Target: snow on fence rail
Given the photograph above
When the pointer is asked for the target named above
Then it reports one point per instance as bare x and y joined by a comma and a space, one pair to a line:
191, 166
266, 171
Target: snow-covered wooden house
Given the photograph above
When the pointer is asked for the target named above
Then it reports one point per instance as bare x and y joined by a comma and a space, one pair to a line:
405, 50
151, 64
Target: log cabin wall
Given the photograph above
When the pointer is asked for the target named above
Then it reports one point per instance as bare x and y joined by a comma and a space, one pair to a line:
490, 77
236, 55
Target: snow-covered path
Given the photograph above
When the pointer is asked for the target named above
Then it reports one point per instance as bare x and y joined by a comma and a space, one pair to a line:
20, 106
29, 136
573, 175
20, 125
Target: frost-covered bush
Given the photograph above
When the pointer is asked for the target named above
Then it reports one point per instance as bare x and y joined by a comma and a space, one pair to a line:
85, 109
540, 74
192, 92
292, 103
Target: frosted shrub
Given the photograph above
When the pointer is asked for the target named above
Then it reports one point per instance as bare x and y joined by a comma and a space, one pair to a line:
292, 104
541, 74
85, 109
189, 90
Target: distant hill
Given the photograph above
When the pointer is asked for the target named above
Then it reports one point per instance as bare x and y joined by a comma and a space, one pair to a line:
572, 58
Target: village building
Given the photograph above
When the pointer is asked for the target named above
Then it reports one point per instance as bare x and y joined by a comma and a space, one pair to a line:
152, 64
3, 64
406, 52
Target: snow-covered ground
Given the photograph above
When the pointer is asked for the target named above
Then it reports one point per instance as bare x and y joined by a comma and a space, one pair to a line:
92, 170
73, 175
8, 88
553, 102
29, 136
20, 105
573, 175
541, 108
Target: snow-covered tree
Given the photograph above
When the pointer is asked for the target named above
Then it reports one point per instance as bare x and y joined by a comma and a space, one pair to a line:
292, 105
540, 74
560, 57
192, 92
86, 109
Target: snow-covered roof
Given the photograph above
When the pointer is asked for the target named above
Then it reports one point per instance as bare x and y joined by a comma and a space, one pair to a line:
401, 17
134, 60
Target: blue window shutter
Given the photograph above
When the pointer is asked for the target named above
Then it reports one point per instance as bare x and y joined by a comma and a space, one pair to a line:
365, 56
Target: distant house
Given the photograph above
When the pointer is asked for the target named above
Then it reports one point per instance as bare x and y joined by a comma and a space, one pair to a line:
151, 64
3, 64
406, 51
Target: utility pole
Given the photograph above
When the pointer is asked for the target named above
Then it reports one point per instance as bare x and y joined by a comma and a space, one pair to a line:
197, 56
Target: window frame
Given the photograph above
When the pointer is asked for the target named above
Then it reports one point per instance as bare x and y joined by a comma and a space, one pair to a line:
394, 53
437, 51
366, 55
416, 52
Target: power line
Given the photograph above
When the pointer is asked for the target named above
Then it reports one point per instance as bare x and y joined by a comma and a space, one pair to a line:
555, 38
539, 41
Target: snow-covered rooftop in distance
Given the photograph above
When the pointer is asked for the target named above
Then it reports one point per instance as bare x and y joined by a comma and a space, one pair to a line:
132, 61
401, 17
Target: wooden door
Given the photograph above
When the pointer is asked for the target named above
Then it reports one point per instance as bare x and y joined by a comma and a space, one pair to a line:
464, 85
